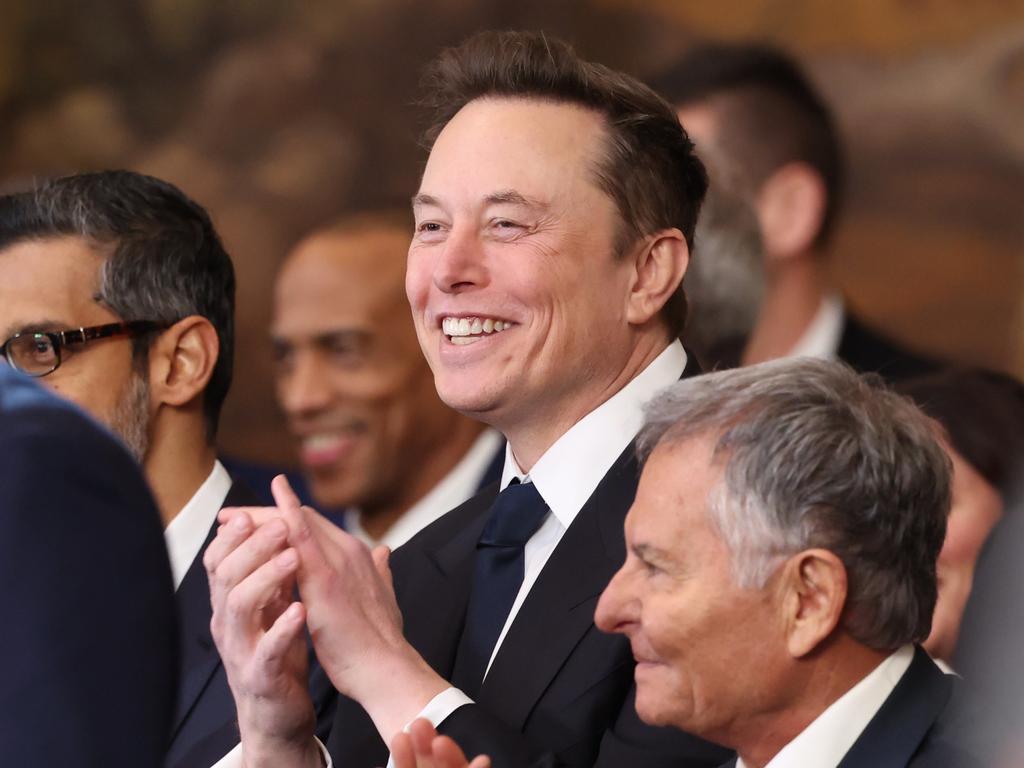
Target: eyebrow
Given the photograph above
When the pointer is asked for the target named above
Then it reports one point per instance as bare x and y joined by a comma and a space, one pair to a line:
651, 554
358, 335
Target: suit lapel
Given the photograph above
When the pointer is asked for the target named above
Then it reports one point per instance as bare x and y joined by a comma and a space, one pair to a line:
898, 728
559, 609
199, 657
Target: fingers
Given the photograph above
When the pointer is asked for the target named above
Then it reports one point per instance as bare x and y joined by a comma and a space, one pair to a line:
273, 647
447, 754
402, 755
423, 734
247, 555
253, 604
228, 537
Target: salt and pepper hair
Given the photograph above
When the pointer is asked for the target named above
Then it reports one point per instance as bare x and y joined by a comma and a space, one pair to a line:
164, 260
815, 456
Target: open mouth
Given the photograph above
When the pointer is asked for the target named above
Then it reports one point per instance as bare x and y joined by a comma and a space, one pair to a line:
468, 330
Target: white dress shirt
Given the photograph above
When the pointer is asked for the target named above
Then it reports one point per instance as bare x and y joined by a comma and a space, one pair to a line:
821, 338
188, 530
566, 476
455, 487
825, 742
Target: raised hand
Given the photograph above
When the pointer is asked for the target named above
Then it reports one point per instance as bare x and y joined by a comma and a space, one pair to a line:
422, 747
353, 617
259, 634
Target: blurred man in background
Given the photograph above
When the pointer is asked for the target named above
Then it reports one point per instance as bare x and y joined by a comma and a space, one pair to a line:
88, 648
752, 112
115, 291
374, 438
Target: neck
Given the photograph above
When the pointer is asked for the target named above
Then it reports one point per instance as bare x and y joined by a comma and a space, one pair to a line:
530, 439
176, 464
831, 674
792, 297
435, 463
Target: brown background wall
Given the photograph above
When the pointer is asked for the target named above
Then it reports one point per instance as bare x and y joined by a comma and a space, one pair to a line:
277, 116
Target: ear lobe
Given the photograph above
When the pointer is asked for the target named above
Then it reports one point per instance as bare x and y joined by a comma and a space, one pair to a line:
182, 361
660, 263
791, 210
815, 595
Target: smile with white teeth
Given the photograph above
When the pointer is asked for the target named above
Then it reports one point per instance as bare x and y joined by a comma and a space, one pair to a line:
467, 330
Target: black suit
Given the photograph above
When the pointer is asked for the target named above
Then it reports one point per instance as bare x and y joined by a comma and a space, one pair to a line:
88, 640
925, 723
559, 691
205, 722
868, 351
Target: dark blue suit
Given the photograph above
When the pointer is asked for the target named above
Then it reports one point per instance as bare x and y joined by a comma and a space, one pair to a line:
88, 640
925, 723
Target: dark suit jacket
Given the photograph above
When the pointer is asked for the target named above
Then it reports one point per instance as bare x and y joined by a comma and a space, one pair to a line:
559, 691
88, 641
205, 721
925, 723
868, 351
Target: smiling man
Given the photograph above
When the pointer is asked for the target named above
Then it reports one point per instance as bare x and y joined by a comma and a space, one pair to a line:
781, 566
374, 438
553, 226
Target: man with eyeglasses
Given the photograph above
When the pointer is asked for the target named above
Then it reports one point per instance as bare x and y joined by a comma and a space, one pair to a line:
116, 293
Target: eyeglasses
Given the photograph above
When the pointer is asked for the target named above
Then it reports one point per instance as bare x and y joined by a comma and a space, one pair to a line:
38, 353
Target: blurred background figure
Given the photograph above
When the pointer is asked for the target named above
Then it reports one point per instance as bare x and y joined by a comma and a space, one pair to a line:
772, 140
88, 656
979, 617
982, 418
375, 441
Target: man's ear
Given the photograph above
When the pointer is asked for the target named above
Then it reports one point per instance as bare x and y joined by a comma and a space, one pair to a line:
791, 210
660, 262
181, 361
814, 594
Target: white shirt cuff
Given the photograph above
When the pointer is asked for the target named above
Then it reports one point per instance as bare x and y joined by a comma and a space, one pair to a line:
233, 759
437, 711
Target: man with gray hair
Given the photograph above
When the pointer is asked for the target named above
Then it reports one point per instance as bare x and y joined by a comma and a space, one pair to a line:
780, 567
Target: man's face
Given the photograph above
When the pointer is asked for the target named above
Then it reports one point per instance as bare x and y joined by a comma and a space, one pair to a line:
976, 508
351, 379
49, 285
513, 233
709, 654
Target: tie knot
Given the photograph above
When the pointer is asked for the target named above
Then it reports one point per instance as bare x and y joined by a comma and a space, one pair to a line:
515, 516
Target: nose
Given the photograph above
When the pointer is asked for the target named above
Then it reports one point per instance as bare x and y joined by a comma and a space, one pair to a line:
305, 388
460, 266
616, 609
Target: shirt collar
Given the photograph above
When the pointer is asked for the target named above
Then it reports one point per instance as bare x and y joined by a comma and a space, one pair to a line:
455, 487
826, 740
821, 338
570, 470
187, 531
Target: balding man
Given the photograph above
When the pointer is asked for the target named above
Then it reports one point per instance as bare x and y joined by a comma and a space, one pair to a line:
374, 438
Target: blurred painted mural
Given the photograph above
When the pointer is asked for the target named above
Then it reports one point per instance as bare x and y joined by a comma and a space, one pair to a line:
279, 115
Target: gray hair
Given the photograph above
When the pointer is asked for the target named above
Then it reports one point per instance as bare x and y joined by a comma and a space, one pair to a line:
815, 456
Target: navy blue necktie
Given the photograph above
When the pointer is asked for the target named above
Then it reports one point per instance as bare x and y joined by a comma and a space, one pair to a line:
500, 561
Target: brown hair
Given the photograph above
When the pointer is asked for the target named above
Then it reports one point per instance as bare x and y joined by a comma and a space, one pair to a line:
649, 169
